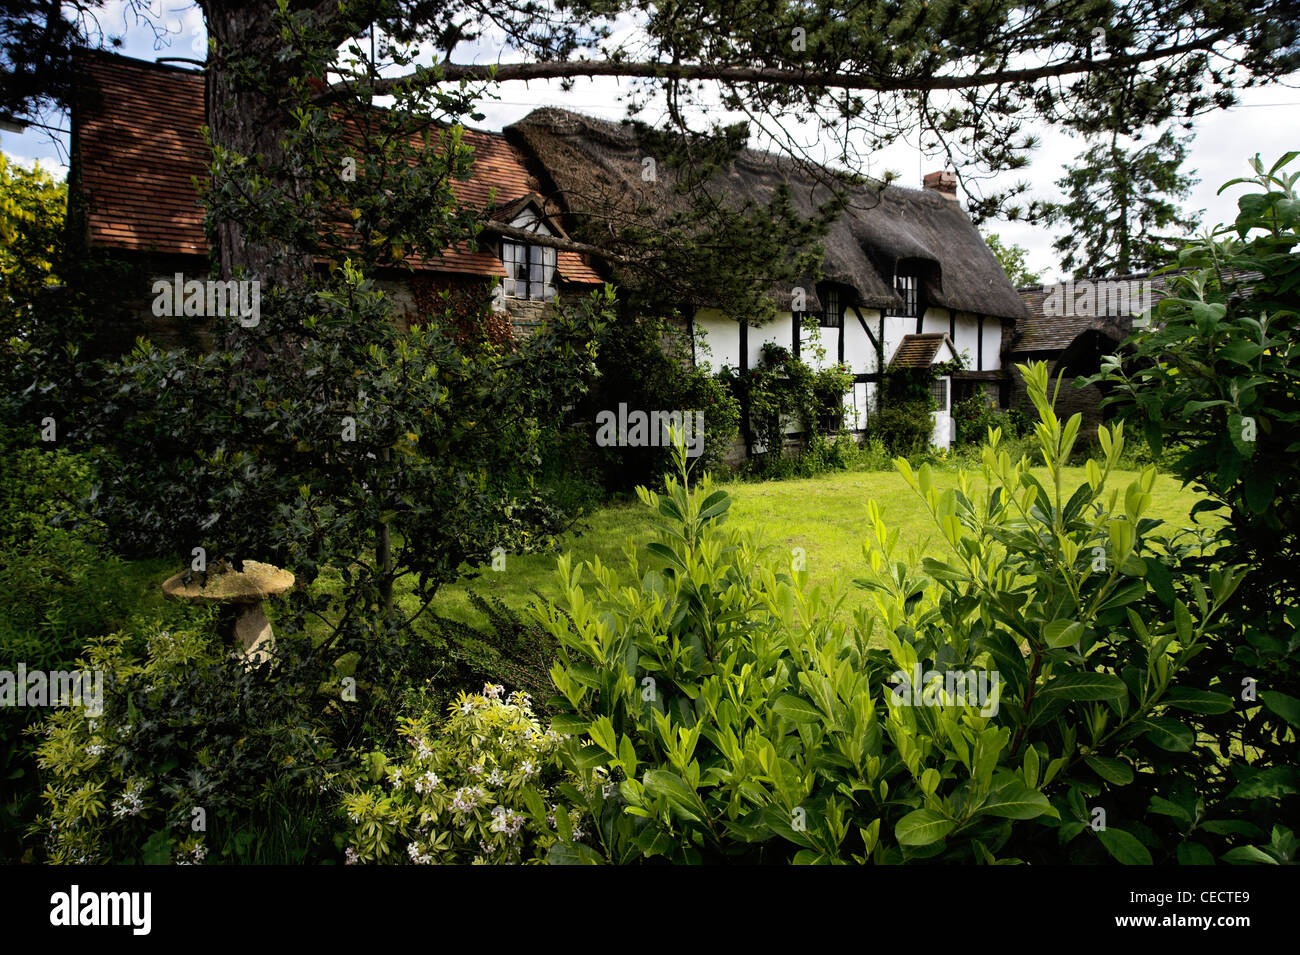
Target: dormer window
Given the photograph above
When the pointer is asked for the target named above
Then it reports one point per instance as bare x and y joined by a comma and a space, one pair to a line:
906, 287
530, 271
831, 312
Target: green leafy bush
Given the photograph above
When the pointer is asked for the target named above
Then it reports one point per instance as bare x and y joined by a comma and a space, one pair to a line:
975, 415
194, 755
746, 720
58, 588
1212, 384
647, 366
903, 429
782, 391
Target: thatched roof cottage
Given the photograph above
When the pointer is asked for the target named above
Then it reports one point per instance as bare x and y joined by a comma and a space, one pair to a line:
897, 263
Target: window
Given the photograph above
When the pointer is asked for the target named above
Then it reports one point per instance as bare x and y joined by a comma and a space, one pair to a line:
830, 316
905, 286
530, 271
939, 391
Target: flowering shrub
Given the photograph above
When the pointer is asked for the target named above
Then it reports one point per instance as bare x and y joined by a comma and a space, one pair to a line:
476, 789
193, 753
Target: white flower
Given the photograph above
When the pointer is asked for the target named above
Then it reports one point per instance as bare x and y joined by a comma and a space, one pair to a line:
466, 798
397, 779
94, 749
427, 782
351, 856
467, 707
496, 779
493, 691
476, 769
528, 769
418, 857
422, 750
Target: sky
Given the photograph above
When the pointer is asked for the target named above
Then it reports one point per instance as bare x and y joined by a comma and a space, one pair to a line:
1265, 121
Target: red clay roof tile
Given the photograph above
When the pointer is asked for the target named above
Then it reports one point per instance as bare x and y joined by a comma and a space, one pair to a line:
140, 151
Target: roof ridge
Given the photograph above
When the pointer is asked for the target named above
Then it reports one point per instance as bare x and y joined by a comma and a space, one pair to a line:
135, 62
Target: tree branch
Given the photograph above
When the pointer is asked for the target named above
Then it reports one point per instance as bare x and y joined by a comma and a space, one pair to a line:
512, 72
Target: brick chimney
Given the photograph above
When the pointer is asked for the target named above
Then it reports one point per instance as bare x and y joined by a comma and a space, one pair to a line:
944, 183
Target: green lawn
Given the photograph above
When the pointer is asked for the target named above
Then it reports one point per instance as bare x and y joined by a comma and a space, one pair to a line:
826, 516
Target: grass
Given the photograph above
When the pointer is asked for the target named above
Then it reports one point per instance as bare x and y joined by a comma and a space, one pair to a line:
826, 516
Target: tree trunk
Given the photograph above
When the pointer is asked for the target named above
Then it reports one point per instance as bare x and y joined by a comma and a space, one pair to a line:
251, 122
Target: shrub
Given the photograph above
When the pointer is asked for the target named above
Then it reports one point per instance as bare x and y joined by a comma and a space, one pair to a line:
646, 365
58, 588
975, 415
476, 788
194, 754
903, 429
1212, 384
746, 720
783, 391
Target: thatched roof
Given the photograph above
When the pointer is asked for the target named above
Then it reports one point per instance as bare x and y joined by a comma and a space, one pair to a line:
596, 166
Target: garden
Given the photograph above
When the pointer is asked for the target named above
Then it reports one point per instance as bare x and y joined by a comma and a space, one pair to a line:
503, 646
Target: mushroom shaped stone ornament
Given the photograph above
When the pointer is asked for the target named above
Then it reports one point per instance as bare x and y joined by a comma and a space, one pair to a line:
240, 594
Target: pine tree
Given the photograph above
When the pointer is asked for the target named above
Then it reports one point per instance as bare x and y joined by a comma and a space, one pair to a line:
1122, 211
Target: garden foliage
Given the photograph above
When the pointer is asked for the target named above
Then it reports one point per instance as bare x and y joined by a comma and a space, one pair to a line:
1213, 385
747, 721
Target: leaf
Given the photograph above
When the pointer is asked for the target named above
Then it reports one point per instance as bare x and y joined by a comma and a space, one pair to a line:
1248, 855
1198, 701
1015, 800
1124, 847
1164, 807
1062, 633
666, 552
1114, 771
1085, 686
158, 849
922, 827
716, 503
797, 709
1272, 783
683, 800
567, 725
572, 853
1287, 707
1169, 734
1193, 853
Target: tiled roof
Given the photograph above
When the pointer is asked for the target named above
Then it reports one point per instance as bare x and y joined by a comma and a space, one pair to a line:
1041, 332
919, 351
139, 149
